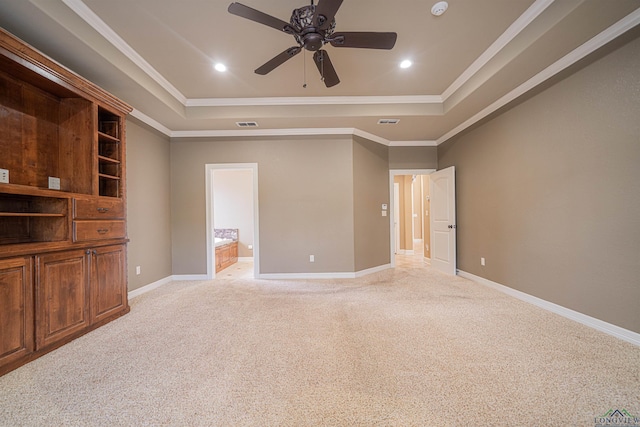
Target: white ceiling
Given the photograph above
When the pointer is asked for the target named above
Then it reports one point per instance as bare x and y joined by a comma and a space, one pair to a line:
157, 55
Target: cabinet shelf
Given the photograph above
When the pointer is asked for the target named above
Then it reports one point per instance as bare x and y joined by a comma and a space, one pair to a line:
108, 160
108, 138
102, 175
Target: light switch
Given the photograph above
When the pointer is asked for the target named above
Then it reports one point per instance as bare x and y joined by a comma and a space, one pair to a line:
384, 213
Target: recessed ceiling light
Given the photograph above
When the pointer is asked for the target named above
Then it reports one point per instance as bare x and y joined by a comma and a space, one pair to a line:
220, 67
406, 64
439, 8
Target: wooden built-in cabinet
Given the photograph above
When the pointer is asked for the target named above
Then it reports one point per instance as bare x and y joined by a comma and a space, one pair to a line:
226, 255
63, 212
16, 316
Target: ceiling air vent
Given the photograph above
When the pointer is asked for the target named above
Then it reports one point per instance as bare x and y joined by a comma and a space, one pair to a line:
247, 124
388, 121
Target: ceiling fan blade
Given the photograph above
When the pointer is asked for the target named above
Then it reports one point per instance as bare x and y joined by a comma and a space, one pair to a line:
259, 17
328, 73
325, 12
366, 40
278, 60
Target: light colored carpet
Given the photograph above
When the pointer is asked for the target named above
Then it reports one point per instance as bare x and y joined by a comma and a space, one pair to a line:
404, 347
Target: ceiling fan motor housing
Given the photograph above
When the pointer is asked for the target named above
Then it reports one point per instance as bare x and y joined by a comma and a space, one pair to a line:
310, 37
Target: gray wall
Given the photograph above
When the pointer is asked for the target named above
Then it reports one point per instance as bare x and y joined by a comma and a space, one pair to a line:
413, 157
548, 192
305, 191
370, 191
148, 205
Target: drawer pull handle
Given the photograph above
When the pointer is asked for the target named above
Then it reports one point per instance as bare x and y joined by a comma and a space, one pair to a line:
103, 230
103, 210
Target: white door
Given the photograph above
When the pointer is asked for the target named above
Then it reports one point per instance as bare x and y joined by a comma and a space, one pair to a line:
442, 186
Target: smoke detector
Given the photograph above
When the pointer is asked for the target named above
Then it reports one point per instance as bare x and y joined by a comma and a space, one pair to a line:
439, 8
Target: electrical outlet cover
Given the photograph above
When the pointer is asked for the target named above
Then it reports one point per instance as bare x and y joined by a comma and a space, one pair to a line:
4, 176
54, 183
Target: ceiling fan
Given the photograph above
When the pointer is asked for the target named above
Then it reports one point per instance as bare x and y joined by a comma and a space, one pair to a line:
313, 26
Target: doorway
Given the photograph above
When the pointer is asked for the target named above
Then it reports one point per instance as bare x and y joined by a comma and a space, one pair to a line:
410, 213
232, 203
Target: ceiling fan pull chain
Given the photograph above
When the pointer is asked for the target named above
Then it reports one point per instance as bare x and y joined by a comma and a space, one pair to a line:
304, 69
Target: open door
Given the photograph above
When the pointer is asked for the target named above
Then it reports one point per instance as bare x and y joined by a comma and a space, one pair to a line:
442, 189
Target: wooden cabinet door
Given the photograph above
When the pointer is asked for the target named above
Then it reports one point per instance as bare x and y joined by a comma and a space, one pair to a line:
108, 282
16, 313
62, 295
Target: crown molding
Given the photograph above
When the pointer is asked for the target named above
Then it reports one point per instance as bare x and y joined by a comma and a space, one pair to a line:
314, 100
614, 31
596, 42
84, 12
514, 29
538, 7
151, 122
425, 143
226, 133
293, 132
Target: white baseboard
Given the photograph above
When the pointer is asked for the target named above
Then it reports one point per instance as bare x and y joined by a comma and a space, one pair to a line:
371, 270
245, 259
151, 286
190, 277
608, 328
342, 275
285, 276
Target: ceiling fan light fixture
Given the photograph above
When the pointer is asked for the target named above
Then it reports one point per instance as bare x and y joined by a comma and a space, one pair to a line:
313, 27
406, 63
220, 67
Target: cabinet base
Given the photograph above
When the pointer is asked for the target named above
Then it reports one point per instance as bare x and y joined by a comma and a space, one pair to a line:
41, 352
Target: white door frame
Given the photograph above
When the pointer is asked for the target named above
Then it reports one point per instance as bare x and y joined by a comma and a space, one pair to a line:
209, 170
392, 175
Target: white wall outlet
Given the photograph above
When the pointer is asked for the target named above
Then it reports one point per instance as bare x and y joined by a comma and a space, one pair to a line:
54, 183
137, 270
481, 261
4, 176
384, 213
249, 247
312, 258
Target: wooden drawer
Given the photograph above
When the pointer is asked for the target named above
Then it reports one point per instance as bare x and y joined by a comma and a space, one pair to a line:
98, 208
98, 230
